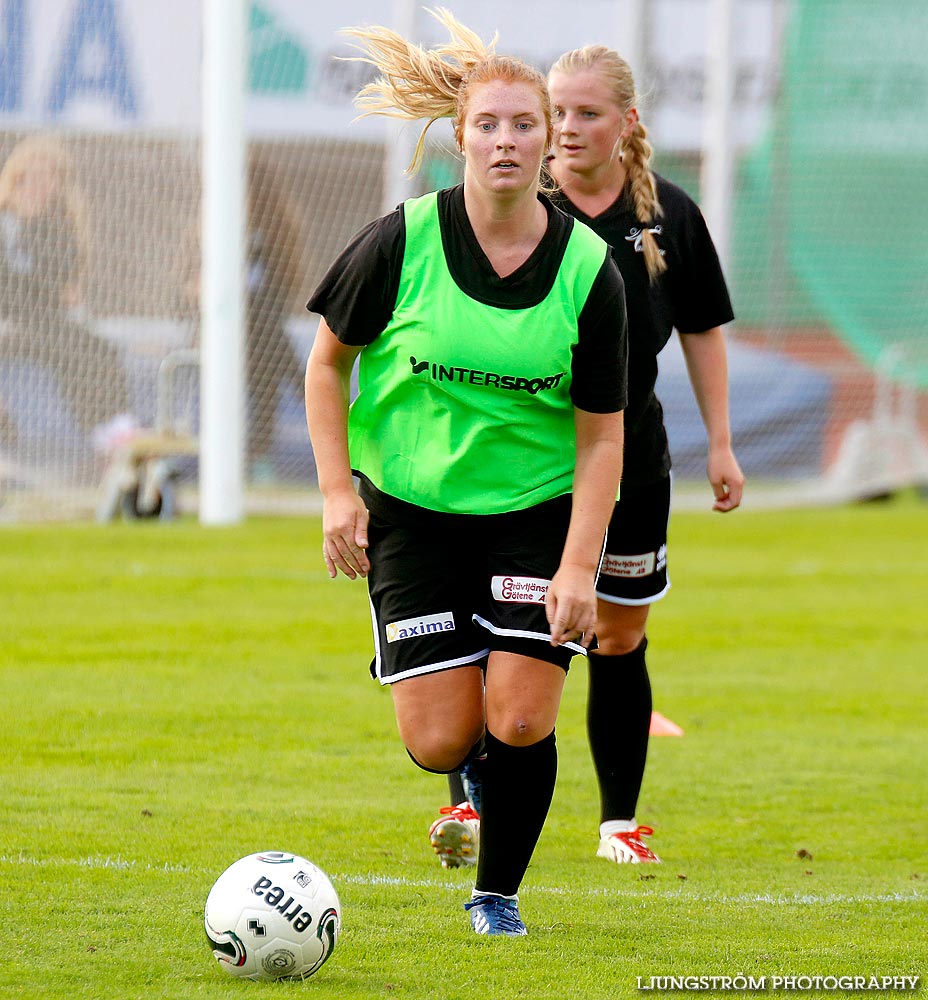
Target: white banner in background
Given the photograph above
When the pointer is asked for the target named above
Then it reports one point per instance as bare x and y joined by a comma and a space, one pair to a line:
100, 64
125, 65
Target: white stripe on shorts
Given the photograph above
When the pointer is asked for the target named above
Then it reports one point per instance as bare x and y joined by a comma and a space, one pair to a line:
522, 634
428, 668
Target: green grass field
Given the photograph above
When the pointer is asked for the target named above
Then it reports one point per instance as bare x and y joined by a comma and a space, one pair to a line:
176, 698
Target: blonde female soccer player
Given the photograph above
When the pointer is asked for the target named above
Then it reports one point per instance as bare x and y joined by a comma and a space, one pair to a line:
602, 164
486, 437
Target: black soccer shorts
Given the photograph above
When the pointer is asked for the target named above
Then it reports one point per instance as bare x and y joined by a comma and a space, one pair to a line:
634, 569
446, 590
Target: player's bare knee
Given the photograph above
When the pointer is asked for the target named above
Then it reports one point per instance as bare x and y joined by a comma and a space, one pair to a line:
440, 752
617, 641
521, 732
620, 628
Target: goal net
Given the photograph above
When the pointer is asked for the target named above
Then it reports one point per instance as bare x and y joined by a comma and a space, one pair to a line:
100, 195
829, 260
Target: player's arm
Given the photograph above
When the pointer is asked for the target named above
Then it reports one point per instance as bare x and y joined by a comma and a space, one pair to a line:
571, 602
344, 516
599, 393
707, 365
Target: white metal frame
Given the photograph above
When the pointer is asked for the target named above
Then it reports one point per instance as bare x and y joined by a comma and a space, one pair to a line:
222, 298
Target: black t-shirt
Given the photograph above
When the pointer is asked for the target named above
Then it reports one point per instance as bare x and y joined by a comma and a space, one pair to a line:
38, 257
358, 294
690, 295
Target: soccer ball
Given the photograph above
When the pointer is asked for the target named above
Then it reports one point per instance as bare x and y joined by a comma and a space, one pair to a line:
272, 916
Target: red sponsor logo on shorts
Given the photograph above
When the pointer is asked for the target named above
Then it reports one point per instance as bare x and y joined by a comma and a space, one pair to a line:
628, 566
520, 589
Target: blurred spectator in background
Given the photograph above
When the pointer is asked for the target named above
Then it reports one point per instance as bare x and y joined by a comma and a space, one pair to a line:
273, 250
271, 281
43, 247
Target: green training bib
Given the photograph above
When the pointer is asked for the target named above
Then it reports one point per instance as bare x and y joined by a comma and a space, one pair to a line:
465, 407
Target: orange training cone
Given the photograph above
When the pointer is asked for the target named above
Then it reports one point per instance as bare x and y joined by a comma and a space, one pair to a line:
662, 726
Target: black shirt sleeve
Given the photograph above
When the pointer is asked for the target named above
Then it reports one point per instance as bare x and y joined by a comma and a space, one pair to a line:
600, 362
358, 293
702, 301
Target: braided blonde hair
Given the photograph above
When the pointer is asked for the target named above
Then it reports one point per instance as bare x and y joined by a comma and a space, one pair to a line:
637, 150
416, 83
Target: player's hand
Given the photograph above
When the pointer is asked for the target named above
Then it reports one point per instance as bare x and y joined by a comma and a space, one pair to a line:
344, 532
726, 478
570, 606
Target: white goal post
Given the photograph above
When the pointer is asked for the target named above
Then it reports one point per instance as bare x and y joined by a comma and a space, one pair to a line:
222, 381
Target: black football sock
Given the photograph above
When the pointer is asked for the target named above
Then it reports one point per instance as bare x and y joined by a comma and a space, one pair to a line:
618, 721
518, 784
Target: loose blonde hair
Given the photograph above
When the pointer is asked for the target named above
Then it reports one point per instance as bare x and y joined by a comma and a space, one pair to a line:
637, 151
38, 152
416, 83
